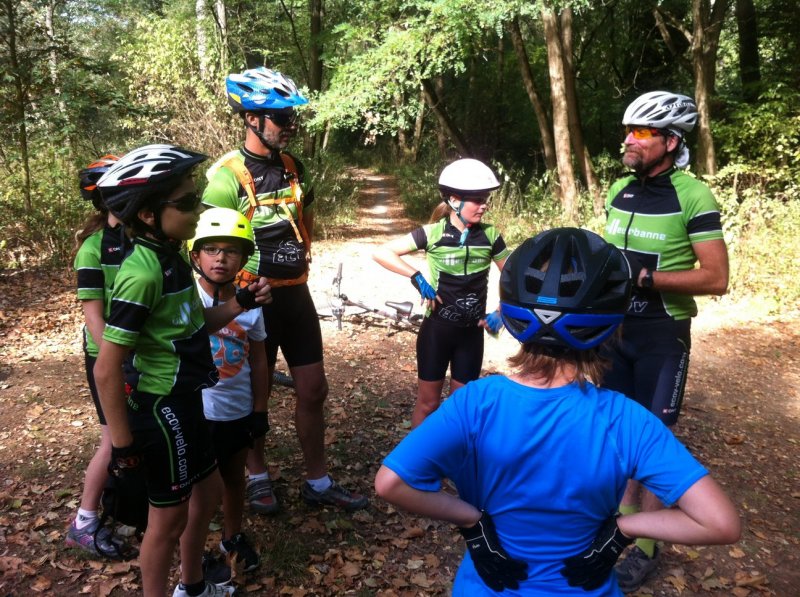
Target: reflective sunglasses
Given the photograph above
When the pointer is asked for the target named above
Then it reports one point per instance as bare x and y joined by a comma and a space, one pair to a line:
188, 202
213, 251
644, 132
282, 119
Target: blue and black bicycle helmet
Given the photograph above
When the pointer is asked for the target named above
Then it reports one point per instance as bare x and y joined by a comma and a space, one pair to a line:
146, 173
564, 288
259, 89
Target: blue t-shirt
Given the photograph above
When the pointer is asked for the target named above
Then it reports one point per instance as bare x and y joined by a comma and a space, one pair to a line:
549, 466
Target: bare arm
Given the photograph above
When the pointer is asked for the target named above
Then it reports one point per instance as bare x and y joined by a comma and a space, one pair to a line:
259, 380
437, 505
389, 255
110, 388
93, 314
711, 277
704, 516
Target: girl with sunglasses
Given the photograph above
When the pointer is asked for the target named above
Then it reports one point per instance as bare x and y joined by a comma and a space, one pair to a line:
459, 248
159, 436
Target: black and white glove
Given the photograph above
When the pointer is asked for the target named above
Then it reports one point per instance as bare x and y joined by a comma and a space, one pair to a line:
495, 567
257, 424
635, 264
246, 298
591, 568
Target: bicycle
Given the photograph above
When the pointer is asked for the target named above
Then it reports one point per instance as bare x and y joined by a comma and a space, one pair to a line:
400, 314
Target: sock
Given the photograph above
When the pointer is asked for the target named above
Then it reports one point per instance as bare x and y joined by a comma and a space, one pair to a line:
321, 484
648, 546
194, 589
85, 518
258, 477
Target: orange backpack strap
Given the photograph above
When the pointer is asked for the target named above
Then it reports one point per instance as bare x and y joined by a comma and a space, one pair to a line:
236, 165
297, 196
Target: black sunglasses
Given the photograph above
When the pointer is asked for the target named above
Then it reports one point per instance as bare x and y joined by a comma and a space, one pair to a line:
282, 119
187, 202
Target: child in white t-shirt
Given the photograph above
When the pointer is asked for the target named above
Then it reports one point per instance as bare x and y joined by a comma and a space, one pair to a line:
236, 408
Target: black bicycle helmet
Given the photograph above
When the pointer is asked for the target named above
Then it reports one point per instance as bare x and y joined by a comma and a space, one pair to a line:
565, 288
142, 174
89, 176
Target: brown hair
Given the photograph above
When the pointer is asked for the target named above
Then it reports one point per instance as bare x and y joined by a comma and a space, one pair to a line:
442, 210
545, 363
92, 224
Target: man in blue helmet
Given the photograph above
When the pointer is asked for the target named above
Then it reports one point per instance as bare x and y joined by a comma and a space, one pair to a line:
268, 185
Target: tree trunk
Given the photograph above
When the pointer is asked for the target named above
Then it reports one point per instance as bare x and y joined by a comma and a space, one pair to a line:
418, 124
567, 190
201, 14
545, 130
53, 56
749, 61
222, 29
707, 26
575, 125
446, 124
315, 64
20, 99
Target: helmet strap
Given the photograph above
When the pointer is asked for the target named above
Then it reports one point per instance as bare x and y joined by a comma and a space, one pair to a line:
467, 225
259, 132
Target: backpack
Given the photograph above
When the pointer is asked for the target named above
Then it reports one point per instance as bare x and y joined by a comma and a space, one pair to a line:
124, 502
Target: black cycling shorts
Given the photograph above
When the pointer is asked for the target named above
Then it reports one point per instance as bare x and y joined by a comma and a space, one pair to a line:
440, 345
89, 362
650, 364
292, 325
229, 438
172, 434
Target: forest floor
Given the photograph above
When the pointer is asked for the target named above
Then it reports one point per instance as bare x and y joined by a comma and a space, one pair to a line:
740, 418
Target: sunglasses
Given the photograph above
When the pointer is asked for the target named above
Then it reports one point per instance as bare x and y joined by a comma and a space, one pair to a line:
213, 251
282, 119
188, 202
479, 199
644, 132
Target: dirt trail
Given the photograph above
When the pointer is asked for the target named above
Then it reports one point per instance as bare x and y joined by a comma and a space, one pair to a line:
741, 419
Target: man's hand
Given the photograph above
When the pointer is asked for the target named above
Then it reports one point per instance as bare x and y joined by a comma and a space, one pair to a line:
124, 459
491, 561
425, 290
591, 568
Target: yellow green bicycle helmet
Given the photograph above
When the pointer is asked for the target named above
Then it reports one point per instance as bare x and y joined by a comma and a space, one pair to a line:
222, 223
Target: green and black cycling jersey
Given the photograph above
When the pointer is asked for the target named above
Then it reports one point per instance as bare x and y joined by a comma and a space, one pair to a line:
659, 219
279, 253
96, 264
459, 273
155, 309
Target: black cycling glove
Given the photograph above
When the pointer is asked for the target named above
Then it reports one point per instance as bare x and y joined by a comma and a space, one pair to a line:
591, 568
124, 459
246, 298
495, 567
257, 424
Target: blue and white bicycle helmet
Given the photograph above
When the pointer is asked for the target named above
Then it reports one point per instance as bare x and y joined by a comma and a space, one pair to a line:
260, 89
564, 288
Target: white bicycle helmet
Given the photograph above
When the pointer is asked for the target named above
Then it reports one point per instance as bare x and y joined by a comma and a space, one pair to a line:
467, 176
663, 110
146, 171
